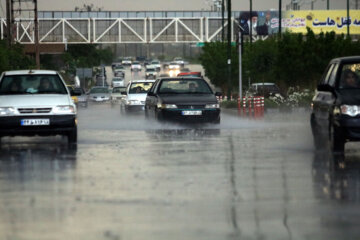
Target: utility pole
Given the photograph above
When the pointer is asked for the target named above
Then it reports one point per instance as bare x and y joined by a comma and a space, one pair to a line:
37, 51
328, 5
222, 20
250, 30
229, 47
348, 18
8, 22
280, 20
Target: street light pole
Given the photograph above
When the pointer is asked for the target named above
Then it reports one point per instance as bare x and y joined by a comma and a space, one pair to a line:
222, 20
37, 50
8, 22
229, 47
250, 30
348, 18
280, 20
328, 5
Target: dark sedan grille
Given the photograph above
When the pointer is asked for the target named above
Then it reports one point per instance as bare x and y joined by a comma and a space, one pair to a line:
34, 110
191, 106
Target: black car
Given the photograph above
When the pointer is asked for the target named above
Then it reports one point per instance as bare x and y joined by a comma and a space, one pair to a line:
182, 99
335, 116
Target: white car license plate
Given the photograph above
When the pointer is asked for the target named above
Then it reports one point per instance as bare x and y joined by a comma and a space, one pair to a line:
35, 122
191, 113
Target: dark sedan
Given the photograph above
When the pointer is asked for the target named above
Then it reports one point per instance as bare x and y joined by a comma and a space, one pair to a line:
182, 99
336, 105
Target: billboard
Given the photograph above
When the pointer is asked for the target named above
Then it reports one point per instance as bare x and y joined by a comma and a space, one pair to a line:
322, 21
263, 22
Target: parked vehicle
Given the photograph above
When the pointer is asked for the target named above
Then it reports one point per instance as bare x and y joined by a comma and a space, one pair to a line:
264, 89
36, 102
135, 95
182, 99
335, 116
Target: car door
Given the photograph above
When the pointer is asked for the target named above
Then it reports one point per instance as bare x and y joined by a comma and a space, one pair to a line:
324, 99
151, 99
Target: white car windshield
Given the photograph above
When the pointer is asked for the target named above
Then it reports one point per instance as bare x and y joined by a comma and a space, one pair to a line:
32, 84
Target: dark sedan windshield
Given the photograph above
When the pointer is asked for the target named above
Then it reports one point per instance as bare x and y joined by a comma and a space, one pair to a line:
32, 84
184, 86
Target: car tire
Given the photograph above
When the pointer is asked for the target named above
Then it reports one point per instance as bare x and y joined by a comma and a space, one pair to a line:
337, 141
217, 121
72, 136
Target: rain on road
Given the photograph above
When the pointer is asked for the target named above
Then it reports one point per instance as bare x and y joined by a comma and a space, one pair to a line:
132, 178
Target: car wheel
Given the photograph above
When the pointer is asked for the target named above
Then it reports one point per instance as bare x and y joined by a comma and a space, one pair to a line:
217, 121
337, 141
72, 136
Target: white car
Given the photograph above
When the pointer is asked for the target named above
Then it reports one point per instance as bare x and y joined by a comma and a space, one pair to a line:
156, 64
136, 93
117, 82
151, 72
174, 66
36, 102
99, 94
118, 93
179, 61
135, 66
126, 62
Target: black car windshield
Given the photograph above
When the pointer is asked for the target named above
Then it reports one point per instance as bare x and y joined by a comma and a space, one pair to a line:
32, 84
140, 87
150, 70
184, 86
99, 90
350, 76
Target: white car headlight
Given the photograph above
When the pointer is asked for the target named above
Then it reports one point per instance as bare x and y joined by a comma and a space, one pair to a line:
350, 110
65, 109
133, 102
7, 111
215, 105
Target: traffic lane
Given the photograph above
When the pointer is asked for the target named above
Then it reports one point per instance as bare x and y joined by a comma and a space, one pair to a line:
138, 179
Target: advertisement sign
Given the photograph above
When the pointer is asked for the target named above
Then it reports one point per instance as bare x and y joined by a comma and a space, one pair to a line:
263, 22
322, 21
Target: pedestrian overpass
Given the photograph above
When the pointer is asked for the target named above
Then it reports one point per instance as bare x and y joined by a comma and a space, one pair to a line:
146, 30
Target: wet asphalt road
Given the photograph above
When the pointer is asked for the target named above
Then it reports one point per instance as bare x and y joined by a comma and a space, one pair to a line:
130, 178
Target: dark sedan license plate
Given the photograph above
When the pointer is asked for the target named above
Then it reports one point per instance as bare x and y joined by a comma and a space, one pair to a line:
35, 122
191, 113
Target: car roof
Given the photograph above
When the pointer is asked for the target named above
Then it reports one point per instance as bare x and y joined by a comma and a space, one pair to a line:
259, 84
346, 59
30, 72
141, 81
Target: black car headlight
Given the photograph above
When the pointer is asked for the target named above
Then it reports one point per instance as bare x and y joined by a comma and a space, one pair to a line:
213, 105
167, 106
350, 110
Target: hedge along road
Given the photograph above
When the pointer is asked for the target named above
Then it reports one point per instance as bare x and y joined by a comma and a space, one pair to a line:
132, 178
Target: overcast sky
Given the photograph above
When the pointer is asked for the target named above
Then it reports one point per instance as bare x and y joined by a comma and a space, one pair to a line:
163, 5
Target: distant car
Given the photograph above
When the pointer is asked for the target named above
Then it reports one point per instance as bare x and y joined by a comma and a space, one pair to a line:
265, 89
78, 95
127, 61
119, 71
179, 61
117, 94
99, 94
189, 74
135, 95
117, 82
150, 72
115, 64
174, 65
36, 102
156, 64
135, 66
335, 116
182, 99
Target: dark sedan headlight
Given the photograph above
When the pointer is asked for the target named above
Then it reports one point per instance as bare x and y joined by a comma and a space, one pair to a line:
167, 106
213, 105
350, 110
